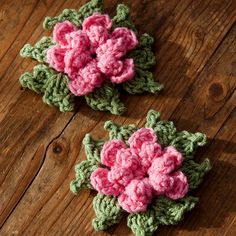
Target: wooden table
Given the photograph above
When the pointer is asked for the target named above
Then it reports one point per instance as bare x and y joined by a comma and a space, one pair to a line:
196, 53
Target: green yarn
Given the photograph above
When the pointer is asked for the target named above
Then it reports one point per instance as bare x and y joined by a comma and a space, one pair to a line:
52, 84
184, 141
118, 131
144, 223
142, 82
107, 210
165, 131
123, 18
38, 51
187, 143
162, 211
143, 55
195, 172
106, 98
83, 171
74, 16
92, 148
170, 212
144, 59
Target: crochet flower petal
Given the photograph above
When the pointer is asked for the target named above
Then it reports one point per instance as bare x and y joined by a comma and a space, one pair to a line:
99, 181
109, 65
149, 151
143, 135
112, 47
120, 176
55, 58
97, 19
109, 151
61, 30
79, 87
129, 38
136, 197
87, 79
79, 40
126, 74
171, 160
97, 35
91, 74
127, 158
161, 183
75, 60
180, 186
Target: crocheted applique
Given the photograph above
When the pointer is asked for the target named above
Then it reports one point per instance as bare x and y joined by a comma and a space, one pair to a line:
93, 53
147, 172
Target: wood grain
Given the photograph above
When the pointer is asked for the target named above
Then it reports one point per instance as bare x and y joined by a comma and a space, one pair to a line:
196, 52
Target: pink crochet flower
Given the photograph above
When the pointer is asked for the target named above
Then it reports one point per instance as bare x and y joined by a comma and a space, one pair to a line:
91, 54
137, 173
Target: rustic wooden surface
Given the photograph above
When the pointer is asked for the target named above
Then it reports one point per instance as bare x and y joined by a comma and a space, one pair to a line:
39, 146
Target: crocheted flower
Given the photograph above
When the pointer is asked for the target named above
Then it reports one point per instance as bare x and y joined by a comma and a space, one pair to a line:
92, 54
148, 172
137, 173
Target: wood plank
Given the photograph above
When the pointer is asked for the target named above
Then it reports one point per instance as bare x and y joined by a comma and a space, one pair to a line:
188, 33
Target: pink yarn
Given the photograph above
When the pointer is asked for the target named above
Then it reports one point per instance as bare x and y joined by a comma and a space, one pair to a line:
99, 180
121, 176
139, 172
97, 20
180, 186
161, 183
137, 196
74, 61
149, 152
171, 160
55, 57
60, 32
77, 48
126, 73
78, 40
143, 135
109, 151
127, 158
127, 35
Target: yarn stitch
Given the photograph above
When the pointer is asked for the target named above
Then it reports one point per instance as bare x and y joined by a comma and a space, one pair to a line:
129, 167
80, 36
147, 172
91, 54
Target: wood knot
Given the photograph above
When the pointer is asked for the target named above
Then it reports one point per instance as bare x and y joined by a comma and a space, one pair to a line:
57, 148
217, 91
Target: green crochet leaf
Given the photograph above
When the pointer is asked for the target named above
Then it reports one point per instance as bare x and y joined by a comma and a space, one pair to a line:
122, 18
152, 118
144, 59
119, 132
52, 84
143, 56
92, 148
184, 141
38, 51
170, 212
144, 223
142, 82
145, 41
107, 212
165, 130
187, 143
106, 98
82, 175
74, 16
195, 172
